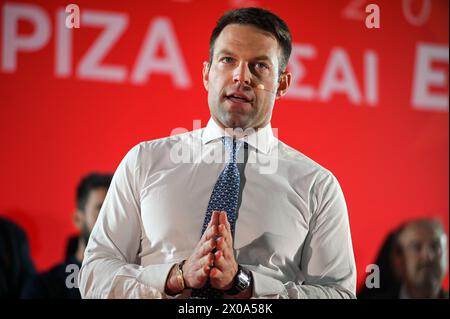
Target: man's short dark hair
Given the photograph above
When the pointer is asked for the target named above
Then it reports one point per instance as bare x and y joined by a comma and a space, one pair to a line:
88, 183
261, 19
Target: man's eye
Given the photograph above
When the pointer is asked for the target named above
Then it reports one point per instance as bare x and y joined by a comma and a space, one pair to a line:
261, 66
436, 246
227, 59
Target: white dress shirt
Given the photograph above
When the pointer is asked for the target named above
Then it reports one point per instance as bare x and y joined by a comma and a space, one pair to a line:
292, 229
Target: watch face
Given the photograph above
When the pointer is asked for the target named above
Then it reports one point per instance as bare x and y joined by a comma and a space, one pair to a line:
243, 280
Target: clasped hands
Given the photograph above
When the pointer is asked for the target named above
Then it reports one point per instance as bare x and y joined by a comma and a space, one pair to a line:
212, 259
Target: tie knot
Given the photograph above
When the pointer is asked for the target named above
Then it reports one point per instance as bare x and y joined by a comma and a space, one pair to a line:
232, 147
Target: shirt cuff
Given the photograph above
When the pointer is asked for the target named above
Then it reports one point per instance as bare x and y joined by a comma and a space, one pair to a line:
265, 286
155, 276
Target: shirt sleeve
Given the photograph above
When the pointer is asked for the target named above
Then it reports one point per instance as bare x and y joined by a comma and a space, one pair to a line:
110, 268
327, 262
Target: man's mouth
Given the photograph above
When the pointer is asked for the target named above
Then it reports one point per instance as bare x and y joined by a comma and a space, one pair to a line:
238, 98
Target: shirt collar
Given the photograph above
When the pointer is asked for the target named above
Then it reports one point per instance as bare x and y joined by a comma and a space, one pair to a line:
261, 139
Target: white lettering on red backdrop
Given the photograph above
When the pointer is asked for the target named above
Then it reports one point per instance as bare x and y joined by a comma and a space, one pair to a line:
429, 85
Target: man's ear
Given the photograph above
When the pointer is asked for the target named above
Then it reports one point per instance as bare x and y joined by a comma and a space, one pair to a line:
205, 74
78, 218
283, 84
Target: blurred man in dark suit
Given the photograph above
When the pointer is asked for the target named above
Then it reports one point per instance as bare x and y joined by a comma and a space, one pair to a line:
16, 264
421, 259
55, 283
412, 263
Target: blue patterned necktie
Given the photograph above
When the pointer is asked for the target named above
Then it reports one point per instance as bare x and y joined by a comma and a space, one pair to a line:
224, 197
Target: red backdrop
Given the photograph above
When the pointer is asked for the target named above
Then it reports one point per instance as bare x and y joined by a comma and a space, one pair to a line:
371, 105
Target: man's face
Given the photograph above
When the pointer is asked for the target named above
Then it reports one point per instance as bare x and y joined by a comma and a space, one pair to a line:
424, 256
243, 58
86, 219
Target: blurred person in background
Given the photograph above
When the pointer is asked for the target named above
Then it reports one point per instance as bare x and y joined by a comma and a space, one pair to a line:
412, 263
91, 192
16, 264
420, 259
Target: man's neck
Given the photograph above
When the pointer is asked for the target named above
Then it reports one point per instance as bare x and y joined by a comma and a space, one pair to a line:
417, 293
239, 132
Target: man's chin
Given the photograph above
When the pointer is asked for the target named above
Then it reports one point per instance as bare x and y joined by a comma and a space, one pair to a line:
428, 282
236, 121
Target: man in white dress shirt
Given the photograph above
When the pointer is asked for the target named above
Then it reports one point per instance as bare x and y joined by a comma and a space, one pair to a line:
291, 237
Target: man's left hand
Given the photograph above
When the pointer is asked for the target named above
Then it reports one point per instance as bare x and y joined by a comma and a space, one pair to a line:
225, 265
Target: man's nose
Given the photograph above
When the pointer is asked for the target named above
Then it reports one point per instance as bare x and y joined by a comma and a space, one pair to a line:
242, 74
428, 253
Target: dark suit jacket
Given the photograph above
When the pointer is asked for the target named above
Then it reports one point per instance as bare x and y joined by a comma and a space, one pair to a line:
16, 264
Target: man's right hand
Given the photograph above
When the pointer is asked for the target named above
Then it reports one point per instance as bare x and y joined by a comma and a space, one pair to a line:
197, 267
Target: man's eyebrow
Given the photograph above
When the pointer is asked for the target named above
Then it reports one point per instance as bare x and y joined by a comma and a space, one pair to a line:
224, 51
258, 58
262, 58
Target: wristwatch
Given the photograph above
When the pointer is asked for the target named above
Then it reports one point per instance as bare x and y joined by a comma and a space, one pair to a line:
242, 281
